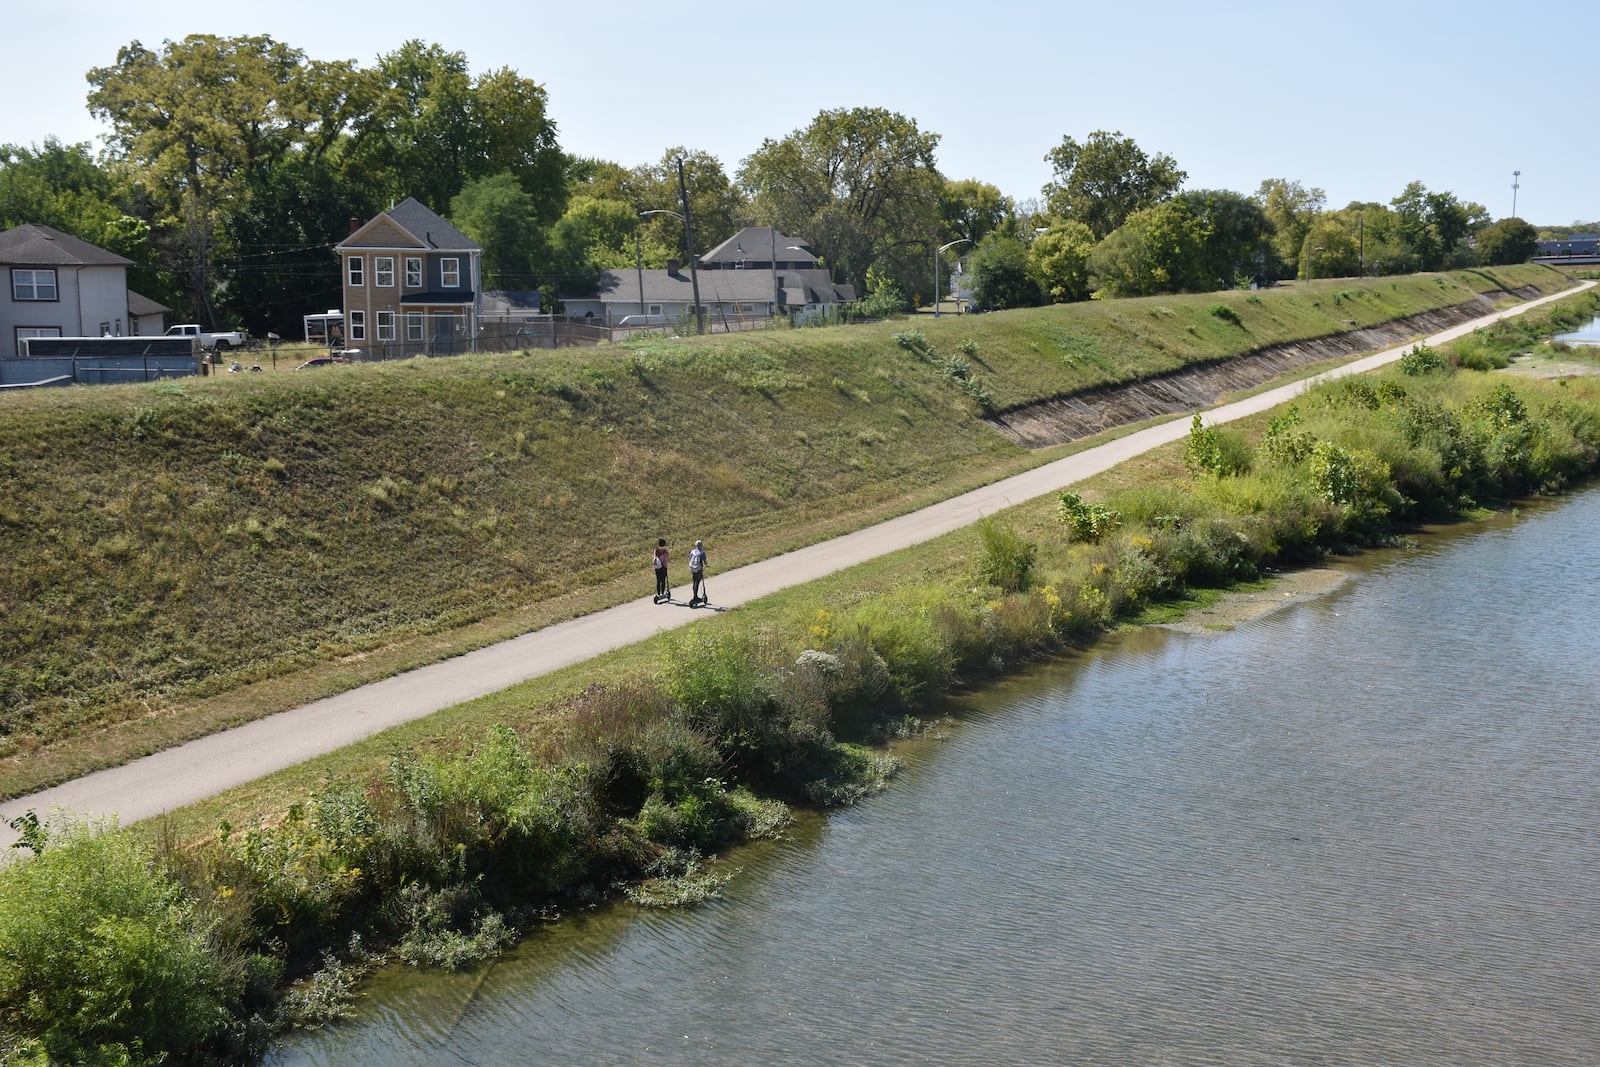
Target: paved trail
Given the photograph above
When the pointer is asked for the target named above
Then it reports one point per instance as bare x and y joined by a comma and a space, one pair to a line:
202, 768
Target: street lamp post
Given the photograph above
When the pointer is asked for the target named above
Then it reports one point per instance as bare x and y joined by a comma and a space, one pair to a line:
688, 236
694, 282
1311, 264
1514, 176
936, 255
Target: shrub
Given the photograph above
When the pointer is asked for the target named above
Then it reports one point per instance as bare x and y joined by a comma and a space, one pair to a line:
912, 341
103, 959
1085, 521
1007, 558
1421, 360
1226, 314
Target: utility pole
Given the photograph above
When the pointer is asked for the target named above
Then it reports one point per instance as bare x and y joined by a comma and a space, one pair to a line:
688, 236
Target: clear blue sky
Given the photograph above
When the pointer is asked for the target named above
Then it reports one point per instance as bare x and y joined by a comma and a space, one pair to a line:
1357, 97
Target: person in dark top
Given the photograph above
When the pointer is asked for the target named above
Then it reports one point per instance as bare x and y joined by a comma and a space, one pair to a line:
663, 593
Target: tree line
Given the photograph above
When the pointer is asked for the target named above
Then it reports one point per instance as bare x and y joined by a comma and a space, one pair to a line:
233, 165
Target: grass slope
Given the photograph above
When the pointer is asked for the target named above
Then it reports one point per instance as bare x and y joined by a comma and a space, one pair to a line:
188, 554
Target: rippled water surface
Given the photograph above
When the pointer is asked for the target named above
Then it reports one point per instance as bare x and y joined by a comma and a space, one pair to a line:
1362, 831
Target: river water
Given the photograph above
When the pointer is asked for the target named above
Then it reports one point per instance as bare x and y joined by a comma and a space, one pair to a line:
1588, 335
1363, 830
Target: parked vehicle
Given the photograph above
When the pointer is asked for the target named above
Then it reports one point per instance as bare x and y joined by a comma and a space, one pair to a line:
220, 341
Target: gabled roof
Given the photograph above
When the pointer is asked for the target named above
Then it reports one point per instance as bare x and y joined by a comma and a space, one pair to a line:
759, 243
410, 225
41, 246
139, 304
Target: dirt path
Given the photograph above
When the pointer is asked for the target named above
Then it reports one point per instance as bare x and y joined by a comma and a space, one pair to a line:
191, 772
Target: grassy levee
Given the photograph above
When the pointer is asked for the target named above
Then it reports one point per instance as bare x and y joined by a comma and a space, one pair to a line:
435, 842
187, 555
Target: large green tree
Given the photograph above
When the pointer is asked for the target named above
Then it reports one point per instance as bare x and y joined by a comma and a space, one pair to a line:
1508, 241
195, 125
973, 209
1105, 179
1433, 224
433, 128
1160, 249
861, 185
1238, 236
1059, 259
498, 213
1001, 277
1291, 208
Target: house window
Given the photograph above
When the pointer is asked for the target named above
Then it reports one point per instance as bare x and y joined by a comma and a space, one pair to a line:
33, 284
383, 271
357, 267
655, 309
386, 326
413, 327
451, 269
413, 272
358, 325
35, 331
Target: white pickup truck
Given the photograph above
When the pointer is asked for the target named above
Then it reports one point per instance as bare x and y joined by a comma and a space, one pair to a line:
220, 341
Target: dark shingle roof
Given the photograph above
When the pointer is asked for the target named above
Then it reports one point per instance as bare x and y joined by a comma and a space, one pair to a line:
139, 304
31, 245
759, 243
429, 228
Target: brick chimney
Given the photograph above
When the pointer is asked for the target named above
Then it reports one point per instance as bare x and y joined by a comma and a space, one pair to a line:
355, 224
672, 267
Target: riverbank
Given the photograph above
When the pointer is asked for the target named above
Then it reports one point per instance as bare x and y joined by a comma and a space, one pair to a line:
686, 743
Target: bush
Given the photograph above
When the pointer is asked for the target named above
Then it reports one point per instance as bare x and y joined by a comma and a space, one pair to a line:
1085, 521
1007, 558
1421, 360
1226, 314
102, 958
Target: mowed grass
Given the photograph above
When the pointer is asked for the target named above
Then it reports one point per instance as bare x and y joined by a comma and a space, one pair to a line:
185, 555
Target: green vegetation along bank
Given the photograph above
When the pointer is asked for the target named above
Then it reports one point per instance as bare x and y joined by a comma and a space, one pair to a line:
186, 555
196, 940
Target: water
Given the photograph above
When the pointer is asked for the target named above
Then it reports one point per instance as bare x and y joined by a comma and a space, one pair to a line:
1360, 831
1589, 335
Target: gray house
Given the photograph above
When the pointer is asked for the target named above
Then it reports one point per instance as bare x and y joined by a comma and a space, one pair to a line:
57, 285
755, 274
799, 281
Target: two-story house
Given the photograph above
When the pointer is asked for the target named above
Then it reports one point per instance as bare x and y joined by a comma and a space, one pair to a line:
57, 285
411, 284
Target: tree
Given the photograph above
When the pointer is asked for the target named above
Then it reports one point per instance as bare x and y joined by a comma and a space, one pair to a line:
1508, 241
860, 184
714, 202
1238, 236
194, 125
1059, 260
1000, 275
1106, 179
433, 129
1330, 249
499, 214
1160, 249
972, 209
1433, 224
1290, 208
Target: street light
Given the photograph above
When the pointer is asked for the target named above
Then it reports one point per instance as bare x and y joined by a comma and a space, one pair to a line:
694, 281
936, 255
1311, 264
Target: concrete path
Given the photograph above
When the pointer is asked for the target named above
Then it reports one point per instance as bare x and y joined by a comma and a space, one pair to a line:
210, 765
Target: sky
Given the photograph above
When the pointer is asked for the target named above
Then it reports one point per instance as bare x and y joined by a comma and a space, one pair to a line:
1356, 98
